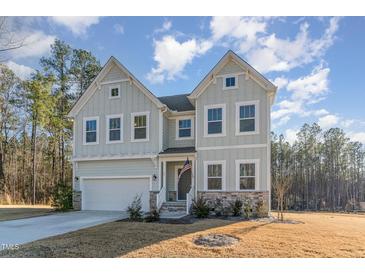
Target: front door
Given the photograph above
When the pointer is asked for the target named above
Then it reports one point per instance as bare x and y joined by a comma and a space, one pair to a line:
184, 184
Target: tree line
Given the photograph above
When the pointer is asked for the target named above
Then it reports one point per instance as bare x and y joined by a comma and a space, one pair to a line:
321, 170
35, 133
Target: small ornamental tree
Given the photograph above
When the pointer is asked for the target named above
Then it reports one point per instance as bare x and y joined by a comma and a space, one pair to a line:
135, 209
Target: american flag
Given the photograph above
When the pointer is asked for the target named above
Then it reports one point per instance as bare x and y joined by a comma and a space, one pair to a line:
186, 167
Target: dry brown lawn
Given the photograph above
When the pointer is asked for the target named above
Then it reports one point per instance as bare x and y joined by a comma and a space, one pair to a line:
319, 235
12, 212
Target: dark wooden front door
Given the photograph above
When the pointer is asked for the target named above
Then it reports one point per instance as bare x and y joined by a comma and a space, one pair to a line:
184, 184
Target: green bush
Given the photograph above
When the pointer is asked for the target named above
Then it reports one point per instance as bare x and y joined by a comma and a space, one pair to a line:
218, 207
154, 216
61, 197
247, 209
236, 207
200, 208
135, 209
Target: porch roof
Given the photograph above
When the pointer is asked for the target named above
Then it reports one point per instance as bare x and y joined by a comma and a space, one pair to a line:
178, 150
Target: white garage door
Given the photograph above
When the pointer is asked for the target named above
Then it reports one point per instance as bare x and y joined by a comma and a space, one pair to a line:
114, 194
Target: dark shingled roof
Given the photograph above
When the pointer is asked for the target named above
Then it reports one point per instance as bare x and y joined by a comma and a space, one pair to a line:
178, 102
173, 150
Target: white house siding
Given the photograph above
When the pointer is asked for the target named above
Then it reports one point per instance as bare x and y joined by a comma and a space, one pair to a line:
172, 141
131, 100
230, 156
248, 90
110, 168
165, 133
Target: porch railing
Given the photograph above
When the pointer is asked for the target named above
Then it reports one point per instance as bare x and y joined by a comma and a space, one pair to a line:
161, 197
189, 200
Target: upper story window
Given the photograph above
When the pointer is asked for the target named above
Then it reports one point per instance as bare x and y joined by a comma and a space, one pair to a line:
114, 128
215, 120
247, 174
214, 175
230, 82
114, 92
91, 128
246, 117
184, 128
140, 126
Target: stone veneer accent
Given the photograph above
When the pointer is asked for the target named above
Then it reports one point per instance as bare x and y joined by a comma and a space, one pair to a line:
153, 199
76, 200
227, 197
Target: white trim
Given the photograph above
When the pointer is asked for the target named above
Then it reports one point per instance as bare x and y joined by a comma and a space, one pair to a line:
191, 118
108, 129
118, 177
257, 173
177, 157
160, 130
176, 114
235, 76
116, 157
206, 108
73, 137
114, 81
110, 91
221, 162
134, 114
256, 103
85, 119
233, 147
95, 85
268, 156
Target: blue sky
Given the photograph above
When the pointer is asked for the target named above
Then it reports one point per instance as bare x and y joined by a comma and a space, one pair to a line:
317, 62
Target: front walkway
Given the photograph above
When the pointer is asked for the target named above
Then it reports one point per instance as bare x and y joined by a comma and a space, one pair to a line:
27, 230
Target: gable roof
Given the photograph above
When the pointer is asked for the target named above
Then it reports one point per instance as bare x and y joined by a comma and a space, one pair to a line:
249, 72
178, 102
95, 85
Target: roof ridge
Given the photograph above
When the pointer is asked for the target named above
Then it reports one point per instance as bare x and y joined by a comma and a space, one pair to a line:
174, 95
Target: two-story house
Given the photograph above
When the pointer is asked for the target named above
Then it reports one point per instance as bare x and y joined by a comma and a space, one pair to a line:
129, 142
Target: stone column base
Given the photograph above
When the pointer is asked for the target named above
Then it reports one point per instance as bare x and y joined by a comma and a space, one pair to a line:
76, 200
153, 200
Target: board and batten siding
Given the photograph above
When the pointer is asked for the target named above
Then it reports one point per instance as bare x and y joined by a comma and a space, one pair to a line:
131, 100
109, 168
230, 156
172, 141
248, 90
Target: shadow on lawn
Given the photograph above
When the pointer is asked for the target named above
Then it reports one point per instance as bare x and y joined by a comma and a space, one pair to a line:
116, 239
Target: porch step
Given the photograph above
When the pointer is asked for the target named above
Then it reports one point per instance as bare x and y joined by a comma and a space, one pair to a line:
178, 207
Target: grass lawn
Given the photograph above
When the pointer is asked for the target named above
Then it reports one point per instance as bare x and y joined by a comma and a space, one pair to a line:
318, 235
12, 212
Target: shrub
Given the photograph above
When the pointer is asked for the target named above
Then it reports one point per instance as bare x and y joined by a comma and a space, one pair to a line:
200, 208
261, 209
247, 209
154, 216
236, 207
61, 197
218, 207
135, 209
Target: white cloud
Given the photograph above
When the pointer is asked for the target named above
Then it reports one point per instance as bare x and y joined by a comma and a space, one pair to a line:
242, 30
77, 24
172, 56
35, 44
166, 26
304, 91
118, 28
23, 72
328, 121
291, 135
280, 82
272, 53
357, 137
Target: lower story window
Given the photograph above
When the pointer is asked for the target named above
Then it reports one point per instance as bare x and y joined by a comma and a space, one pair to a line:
214, 176
247, 176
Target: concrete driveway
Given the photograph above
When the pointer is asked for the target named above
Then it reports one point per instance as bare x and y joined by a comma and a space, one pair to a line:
27, 230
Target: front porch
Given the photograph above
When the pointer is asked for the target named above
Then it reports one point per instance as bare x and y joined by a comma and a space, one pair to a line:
172, 190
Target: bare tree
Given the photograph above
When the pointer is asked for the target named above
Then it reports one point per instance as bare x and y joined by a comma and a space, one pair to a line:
9, 41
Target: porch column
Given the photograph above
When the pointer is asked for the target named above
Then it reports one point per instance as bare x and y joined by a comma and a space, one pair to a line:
193, 174
164, 174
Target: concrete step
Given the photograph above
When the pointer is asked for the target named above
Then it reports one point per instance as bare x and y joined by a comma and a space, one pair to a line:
173, 207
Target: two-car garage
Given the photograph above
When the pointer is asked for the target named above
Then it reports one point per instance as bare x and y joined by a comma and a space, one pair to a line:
114, 193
